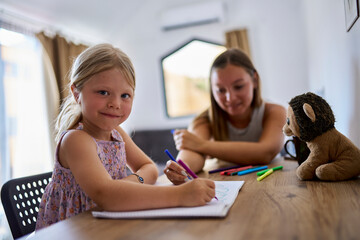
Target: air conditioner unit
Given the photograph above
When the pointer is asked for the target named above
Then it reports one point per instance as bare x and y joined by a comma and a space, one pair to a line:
192, 15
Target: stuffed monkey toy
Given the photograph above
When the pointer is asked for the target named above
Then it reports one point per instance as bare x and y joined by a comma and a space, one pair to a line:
333, 157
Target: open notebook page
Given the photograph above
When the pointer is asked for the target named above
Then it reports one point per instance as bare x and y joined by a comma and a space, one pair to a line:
226, 192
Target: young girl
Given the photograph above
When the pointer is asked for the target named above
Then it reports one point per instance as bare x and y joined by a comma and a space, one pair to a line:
239, 127
93, 150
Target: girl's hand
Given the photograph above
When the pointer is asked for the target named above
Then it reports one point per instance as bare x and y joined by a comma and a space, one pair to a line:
187, 140
196, 192
175, 173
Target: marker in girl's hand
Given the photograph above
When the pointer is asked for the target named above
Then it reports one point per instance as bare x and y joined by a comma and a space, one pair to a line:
188, 170
181, 163
172, 158
169, 154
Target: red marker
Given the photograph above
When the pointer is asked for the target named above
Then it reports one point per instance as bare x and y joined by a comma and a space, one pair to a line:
228, 172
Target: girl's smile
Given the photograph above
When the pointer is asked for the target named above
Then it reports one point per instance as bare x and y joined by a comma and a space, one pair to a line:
110, 115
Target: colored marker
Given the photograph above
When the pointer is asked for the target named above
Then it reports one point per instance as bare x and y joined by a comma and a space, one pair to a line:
228, 172
264, 171
169, 154
181, 163
187, 169
223, 169
251, 170
267, 173
172, 131
236, 172
172, 158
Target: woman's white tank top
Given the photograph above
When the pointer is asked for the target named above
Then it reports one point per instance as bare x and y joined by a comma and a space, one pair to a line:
253, 131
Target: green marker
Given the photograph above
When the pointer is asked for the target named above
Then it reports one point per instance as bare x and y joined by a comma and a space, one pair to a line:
274, 169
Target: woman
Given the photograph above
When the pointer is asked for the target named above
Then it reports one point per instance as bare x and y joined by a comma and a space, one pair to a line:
239, 127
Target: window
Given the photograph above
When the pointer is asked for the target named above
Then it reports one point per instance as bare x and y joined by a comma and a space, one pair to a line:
186, 77
26, 149
24, 131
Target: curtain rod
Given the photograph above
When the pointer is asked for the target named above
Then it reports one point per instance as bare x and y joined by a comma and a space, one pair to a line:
26, 25
19, 23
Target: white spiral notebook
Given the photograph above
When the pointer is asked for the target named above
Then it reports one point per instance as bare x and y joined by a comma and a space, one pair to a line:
226, 192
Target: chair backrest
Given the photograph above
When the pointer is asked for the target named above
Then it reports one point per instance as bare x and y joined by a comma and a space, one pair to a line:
154, 143
21, 198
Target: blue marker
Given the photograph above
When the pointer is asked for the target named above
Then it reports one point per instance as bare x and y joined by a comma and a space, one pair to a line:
169, 154
172, 131
251, 170
172, 158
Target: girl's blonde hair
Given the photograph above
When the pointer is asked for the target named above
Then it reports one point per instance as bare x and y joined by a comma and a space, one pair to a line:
93, 60
215, 117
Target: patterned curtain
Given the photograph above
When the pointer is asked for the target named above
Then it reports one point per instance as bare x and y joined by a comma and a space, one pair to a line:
61, 54
58, 56
238, 39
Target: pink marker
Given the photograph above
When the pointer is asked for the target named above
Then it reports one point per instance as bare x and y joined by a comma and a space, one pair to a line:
189, 171
192, 174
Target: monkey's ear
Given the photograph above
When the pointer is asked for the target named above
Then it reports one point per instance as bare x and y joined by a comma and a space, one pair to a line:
309, 112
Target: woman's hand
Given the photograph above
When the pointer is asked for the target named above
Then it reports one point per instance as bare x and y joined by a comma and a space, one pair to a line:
175, 173
196, 192
187, 140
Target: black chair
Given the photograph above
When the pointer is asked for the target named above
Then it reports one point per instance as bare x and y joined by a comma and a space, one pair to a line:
21, 198
154, 143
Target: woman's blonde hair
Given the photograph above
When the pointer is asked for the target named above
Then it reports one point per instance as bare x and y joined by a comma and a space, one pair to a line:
215, 117
93, 60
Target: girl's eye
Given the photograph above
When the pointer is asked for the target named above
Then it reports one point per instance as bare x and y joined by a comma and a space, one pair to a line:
125, 95
288, 121
102, 92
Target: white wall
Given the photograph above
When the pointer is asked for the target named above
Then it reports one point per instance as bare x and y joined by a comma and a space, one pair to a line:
334, 62
297, 46
277, 40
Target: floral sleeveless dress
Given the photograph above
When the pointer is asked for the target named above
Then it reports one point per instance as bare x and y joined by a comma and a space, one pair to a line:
63, 197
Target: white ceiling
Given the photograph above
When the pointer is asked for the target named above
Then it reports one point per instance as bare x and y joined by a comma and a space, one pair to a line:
93, 20
81, 19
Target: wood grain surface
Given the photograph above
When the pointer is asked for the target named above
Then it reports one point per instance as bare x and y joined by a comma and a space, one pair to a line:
278, 207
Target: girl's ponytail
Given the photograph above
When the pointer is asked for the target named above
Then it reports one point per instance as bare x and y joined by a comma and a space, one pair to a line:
68, 117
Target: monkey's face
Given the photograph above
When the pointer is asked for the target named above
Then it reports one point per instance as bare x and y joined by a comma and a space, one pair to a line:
291, 128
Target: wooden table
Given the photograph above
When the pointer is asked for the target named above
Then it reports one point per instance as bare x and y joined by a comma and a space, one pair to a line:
279, 207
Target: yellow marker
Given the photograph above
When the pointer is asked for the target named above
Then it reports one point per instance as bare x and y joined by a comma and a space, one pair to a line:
270, 171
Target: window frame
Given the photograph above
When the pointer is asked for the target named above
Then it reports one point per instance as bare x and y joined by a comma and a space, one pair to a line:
176, 49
